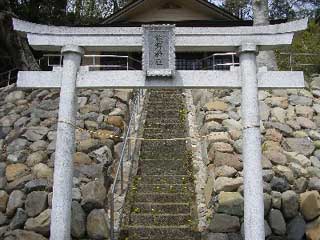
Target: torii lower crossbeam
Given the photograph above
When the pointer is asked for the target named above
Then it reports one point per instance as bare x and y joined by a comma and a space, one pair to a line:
182, 79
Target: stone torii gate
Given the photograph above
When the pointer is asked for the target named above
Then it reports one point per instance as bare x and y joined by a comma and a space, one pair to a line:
159, 44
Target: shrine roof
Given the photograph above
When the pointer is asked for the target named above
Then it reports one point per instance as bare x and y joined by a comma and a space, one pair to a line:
194, 23
174, 11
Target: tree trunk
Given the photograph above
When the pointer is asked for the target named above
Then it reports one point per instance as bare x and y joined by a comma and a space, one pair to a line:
78, 10
115, 5
260, 12
261, 17
237, 7
15, 45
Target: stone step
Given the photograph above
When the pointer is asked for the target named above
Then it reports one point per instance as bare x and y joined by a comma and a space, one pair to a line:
171, 103
165, 142
163, 121
170, 114
164, 179
166, 119
172, 142
164, 106
162, 148
164, 188
156, 219
147, 146
160, 97
172, 96
174, 125
165, 93
165, 111
173, 208
168, 239
162, 197
166, 90
175, 154
162, 162
172, 135
165, 167
164, 124
165, 128
153, 96
155, 116
159, 115
160, 232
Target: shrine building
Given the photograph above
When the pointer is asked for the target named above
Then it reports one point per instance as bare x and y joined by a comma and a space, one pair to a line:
181, 13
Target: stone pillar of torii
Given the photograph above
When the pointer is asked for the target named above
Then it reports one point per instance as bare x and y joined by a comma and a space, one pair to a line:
159, 44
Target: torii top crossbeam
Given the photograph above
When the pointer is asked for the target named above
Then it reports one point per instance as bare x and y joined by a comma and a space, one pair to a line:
52, 38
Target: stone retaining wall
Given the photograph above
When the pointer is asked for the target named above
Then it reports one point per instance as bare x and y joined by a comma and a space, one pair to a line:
28, 122
291, 166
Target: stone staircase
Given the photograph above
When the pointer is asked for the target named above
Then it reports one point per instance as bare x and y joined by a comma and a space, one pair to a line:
160, 202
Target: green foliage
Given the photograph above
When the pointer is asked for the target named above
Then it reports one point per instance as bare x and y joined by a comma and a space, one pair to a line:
281, 9
305, 42
136, 210
65, 12
240, 8
40, 11
183, 116
82, 12
278, 9
293, 9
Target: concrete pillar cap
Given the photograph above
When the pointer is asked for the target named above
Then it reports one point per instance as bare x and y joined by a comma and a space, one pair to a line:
248, 47
72, 49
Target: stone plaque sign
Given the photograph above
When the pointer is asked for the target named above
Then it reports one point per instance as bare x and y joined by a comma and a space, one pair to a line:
159, 50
